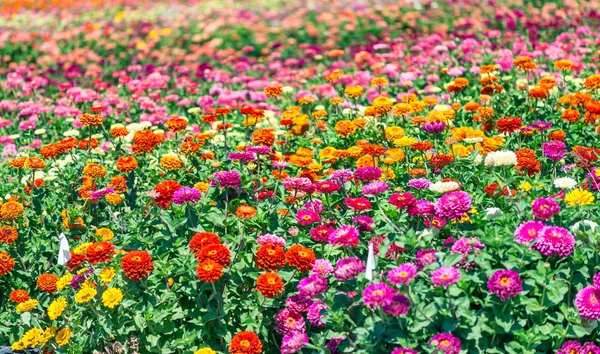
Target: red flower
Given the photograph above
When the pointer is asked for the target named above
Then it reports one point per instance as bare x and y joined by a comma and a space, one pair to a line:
300, 257
270, 257
245, 342
137, 265
100, 252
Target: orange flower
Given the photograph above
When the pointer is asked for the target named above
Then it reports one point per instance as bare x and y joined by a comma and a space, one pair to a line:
18, 296
269, 284
118, 183
87, 119
170, 162
571, 115
8, 234
34, 163
144, 141
118, 132
86, 144
270, 257
47, 282
353, 91
203, 239
344, 128
245, 342
50, 151
524, 63
563, 65
176, 124
7, 263
263, 136
527, 162
100, 252
485, 112
592, 82
245, 212
539, 92
137, 265
94, 170
558, 135
273, 91
216, 252
11, 210
209, 271
300, 257
126, 163
17, 162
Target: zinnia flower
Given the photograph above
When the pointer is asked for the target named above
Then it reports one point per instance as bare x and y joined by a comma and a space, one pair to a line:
453, 205
446, 343
403, 274
554, 240
587, 301
137, 265
186, 195
445, 276
505, 283
288, 321
544, 208
269, 284
400, 305
379, 294
112, 297
528, 231
293, 342
344, 236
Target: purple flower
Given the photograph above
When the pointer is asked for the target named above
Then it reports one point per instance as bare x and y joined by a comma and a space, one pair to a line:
341, 176
375, 188
544, 208
242, 156
541, 125
348, 268
368, 173
315, 205
287, 321
593, 179
505, 283
322, 267
528, 231
379, 294
307, 217
587, 302
554, 240
446, 343
554, 150
466, 245
228, 179
445, 276
365, 223
344, 236
314, 315
399, 306
186, 195
332, 345
453, 205
297, 303
259, 149
403, 274
597, 280
434, 127
590, 348
419, 183
425, 258
293, 342
312, 286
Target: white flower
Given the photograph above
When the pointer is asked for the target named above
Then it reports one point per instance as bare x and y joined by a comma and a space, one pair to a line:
14, 136
39, 131
478, 159
287, 89
584, 226
493, 212
442, 107
500, 158
472, 140
97, 136
565, 183
435, 89
348, 111
319, 107
71, 132
444, 187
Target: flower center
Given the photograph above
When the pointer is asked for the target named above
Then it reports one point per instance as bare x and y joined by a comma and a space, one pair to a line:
505, 281
245, 343
377, 293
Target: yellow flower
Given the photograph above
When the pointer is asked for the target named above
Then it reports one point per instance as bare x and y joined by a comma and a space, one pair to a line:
579, 197
107, 275
112, 297
27, 305
56, 308
63, 336
64, 281
82, 249
526, 186
48, 334
30, 339
205, 351
404, 141
85, 294
170, 281
202, 186
105, 234
82, 270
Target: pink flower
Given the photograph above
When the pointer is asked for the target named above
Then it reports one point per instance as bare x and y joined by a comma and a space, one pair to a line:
403, 274
528, 231
307, 217
544, 208
444, 276
554, 240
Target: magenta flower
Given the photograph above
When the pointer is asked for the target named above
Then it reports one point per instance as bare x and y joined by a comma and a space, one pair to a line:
400, 305
288, 321
528, 231
466, 245
322, 267
379, 294
344, 236
446, 343
425, 258
422, 208
297, 184
554, 240
297, 303
587, 302
293, 342
544, 208
554, 150
314, 314
312, 286
375, 188
404, 351
365, 223
186, 195
419, 183
271, 239
434, 127
358, 204
228, 179
367, 174
445, 276
348, 268
403, 274
101, 193
570, 347
321, 233
315, 205
505, 283
307, 217
453, 205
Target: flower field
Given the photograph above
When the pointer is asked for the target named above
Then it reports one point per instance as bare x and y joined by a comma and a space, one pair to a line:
300, 177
